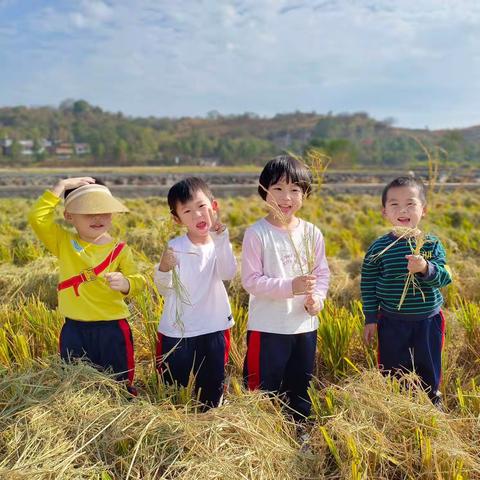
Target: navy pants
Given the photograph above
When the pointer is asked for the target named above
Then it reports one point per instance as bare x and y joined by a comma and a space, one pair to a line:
108, 345
282, 364
413, 346
205, 356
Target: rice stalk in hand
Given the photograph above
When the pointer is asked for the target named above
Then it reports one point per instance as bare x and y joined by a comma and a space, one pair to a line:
181, 293
399, 232
419, 238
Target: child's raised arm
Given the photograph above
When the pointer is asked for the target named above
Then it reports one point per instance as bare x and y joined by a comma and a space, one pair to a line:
41, 216
226, 262
69, 183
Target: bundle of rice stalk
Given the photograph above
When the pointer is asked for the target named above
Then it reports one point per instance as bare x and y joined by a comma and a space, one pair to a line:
72, 422
411, 234
317, 162
419, 237
181, 293
383, 429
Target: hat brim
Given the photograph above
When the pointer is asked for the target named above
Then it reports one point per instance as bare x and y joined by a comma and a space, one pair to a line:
96, 202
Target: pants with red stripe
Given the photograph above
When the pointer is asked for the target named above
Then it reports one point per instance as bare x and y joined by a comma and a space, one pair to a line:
282, 364
413, 345
205, 356
108, 345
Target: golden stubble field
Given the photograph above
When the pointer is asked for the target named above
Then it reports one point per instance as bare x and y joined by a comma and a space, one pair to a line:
71, 422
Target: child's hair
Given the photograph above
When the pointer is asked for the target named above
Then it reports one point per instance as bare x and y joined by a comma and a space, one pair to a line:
70, 190
183, 191
406, 182
287, 167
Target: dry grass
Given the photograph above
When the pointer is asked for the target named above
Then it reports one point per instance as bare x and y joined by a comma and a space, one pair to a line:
71, 422
374, 427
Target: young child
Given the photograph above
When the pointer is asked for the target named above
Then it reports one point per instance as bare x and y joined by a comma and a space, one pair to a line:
96, 274
285, 293
194, 329
409, 338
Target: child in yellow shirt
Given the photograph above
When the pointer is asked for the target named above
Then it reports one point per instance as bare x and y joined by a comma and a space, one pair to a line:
96, 273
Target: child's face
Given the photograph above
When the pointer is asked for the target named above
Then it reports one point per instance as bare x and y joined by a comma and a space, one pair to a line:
288, 197
90, 227
404, 207
196, 215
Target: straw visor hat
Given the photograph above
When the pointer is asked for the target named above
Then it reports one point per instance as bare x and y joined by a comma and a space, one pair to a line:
91, 199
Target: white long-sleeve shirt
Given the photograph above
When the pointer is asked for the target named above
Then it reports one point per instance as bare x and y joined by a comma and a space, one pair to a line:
203, 307
269, 265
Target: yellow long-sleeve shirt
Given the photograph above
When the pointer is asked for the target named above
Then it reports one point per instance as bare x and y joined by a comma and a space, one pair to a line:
96, 300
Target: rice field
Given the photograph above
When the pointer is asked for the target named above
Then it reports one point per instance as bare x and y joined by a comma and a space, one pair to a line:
70, 422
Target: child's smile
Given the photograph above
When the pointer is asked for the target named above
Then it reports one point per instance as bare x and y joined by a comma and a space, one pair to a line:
403, 220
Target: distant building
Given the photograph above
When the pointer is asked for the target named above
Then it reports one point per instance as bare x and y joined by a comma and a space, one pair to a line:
27, 147
82, 148
64, 150
207, 162
5, 146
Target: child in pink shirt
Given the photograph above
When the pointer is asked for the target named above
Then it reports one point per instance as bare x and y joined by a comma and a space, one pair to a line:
286, 291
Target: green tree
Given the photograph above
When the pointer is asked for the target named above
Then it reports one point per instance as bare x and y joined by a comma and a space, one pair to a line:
121, 151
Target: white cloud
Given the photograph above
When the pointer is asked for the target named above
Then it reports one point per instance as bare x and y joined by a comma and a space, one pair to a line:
166, 57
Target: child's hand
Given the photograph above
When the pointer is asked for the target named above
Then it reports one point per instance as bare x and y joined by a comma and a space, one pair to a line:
168, 261
417, 264
116, 281
313, 305
217, 226
369, 332
304, 284
68, 183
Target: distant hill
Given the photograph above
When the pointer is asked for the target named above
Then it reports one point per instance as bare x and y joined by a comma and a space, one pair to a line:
352, 140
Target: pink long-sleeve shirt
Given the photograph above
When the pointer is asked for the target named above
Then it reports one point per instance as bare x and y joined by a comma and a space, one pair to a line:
270, 262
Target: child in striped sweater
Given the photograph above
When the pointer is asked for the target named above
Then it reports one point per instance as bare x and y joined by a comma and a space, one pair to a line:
411, 329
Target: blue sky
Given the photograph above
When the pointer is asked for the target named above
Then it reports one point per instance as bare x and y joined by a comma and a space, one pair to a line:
417, 61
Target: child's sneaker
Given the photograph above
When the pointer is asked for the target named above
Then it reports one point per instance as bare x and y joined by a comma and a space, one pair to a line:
303, 437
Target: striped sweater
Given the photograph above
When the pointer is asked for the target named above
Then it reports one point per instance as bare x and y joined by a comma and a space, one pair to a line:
383, 279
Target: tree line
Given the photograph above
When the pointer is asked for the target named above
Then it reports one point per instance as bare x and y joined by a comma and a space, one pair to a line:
351, 140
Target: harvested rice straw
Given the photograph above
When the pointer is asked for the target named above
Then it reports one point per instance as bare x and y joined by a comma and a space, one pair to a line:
419, 242
317, 162
400, 232
181, 293
408, 233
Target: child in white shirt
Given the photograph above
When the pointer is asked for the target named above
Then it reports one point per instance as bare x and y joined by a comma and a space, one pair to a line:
194, 330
